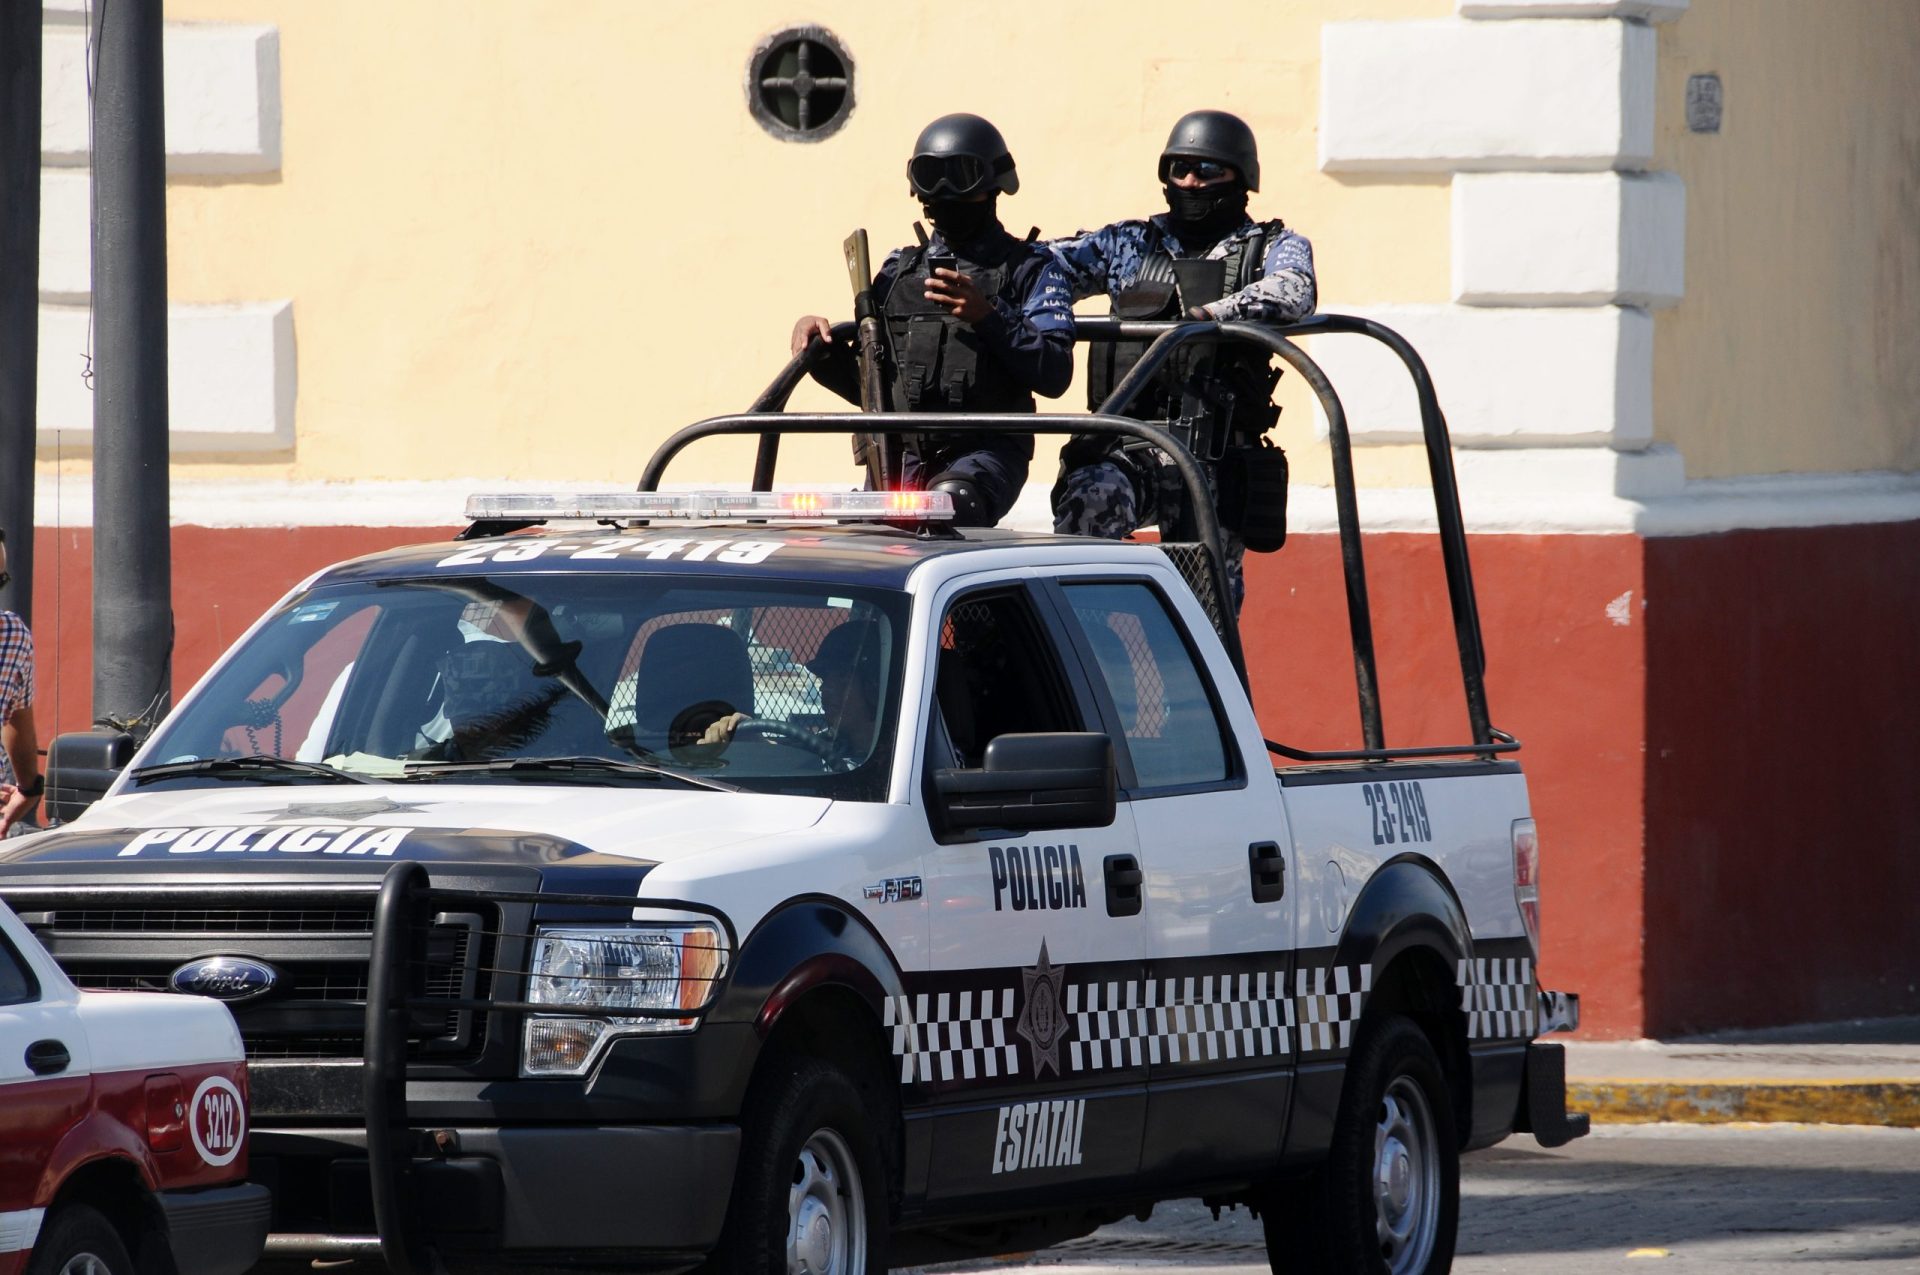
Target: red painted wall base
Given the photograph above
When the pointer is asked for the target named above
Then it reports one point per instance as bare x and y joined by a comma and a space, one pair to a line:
1718, 732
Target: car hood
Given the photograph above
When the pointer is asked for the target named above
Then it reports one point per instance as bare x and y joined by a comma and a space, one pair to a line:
276, 825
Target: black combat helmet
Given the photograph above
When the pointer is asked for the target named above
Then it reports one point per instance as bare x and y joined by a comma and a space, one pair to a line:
1217, 136
960, 155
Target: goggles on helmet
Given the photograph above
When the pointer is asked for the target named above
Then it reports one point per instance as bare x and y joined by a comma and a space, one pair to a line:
933, 175
1205, 169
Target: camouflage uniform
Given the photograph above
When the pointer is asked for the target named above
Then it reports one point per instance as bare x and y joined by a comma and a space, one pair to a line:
1114, 495
1100, 499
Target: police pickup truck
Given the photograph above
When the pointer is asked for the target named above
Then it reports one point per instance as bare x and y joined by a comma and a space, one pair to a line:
791, 881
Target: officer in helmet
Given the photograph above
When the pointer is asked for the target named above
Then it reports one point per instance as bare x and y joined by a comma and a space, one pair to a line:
1108, 489
976, 321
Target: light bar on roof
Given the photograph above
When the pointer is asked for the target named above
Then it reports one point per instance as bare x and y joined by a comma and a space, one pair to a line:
713, 506
542, 505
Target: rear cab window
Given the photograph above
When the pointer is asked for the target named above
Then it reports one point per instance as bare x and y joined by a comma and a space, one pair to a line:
1168, 714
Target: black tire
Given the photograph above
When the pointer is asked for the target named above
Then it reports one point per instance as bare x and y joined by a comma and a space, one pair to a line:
805, 1126
1395, 1113
78, 1240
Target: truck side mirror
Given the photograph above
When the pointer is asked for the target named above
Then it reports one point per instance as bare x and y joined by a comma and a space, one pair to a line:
1030, 782
81, 766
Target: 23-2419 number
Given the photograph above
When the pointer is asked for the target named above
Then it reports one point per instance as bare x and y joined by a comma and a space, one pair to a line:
1399, 813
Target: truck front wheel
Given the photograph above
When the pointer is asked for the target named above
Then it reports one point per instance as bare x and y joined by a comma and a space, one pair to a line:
809, 1197
78, 1240
1388, 1200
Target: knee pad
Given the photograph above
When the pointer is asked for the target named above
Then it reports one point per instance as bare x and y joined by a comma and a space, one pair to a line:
969, 504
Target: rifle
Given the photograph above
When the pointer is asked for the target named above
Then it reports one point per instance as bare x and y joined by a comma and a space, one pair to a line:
873, 450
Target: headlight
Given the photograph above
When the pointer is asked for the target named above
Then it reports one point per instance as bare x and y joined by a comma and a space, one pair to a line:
593, 975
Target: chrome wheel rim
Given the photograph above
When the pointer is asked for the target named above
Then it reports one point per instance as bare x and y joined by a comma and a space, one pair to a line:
85, 1264
826, 1213
1406, 1177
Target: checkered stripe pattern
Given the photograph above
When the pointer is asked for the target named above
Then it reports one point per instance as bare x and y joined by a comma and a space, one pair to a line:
1327, 1003
952, 1035
1496, 993
1178, 1020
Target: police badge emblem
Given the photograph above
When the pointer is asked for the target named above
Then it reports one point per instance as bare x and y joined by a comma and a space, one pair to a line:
1042, 1018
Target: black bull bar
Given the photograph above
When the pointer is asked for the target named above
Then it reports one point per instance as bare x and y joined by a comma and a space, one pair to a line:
401, 996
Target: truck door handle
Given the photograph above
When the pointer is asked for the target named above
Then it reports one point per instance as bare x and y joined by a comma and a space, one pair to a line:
1269, 869
1124, 879
45, 1057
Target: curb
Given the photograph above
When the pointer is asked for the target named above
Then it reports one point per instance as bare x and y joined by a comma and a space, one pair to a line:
1892, 1102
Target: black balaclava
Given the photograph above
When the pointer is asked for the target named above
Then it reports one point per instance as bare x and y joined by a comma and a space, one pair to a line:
1208, 213
960, 221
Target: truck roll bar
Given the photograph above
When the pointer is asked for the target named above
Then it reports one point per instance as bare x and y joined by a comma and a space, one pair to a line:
958, 424
1167, 337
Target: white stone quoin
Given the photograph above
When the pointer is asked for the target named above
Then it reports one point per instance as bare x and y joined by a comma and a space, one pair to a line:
1647, 10
66, 236
222, 98
1569, 239
1457, 96
1505, 377
230, 377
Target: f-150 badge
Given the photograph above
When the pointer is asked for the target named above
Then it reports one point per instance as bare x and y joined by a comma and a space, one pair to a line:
893, 890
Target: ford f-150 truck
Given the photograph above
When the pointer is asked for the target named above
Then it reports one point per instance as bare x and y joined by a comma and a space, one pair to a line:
791, 881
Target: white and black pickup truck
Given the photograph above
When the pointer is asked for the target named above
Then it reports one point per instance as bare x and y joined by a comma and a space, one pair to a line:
798, 883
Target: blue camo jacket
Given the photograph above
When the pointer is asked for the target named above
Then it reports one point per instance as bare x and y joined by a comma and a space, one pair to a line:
1108, 259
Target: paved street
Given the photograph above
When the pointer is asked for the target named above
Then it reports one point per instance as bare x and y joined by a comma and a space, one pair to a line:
1691, 1198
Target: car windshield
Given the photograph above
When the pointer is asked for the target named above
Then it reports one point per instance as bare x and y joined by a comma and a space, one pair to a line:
785, 687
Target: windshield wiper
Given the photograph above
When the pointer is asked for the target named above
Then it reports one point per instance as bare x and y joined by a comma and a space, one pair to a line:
581, 765
248, 768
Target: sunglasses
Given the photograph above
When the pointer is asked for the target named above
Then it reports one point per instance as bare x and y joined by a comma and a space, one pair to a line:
1205, 169
6, 578
948, 174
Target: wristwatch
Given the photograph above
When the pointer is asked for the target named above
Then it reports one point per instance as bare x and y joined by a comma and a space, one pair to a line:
37, 787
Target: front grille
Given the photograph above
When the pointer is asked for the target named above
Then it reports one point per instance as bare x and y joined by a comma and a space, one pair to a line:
321, 981
321, 950
356, 920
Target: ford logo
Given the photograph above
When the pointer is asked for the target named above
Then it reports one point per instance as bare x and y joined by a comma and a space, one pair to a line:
225, 978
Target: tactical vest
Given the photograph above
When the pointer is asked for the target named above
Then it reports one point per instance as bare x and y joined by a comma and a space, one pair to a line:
1151, 297
938, 363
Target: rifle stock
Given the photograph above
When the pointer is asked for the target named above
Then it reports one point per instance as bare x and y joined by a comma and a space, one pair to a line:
872, 449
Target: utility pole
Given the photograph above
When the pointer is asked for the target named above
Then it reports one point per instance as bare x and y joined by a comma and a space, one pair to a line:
19, 289
132, 553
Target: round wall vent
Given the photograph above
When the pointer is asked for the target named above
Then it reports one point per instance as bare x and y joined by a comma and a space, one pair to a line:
800, 84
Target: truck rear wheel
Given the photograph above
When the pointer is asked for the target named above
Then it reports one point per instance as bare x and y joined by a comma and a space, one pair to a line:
78, 1240
1388, 1200
809, 1196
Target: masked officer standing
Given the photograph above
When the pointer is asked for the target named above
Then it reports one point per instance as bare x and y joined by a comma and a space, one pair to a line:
1209, 165
975, 319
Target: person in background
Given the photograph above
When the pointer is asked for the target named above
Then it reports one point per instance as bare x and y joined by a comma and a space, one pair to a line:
21, 783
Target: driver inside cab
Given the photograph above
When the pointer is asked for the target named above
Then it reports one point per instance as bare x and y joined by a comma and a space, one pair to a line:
848, 665
493, 702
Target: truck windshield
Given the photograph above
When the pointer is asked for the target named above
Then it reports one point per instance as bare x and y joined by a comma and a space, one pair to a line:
785, 687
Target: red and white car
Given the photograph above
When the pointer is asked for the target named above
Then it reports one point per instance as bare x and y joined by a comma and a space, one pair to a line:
123, 1127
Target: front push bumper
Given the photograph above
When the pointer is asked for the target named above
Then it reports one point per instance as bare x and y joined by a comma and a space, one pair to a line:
644, 1194
220, 1230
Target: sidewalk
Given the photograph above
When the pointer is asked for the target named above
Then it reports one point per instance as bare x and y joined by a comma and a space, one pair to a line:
1865, 1072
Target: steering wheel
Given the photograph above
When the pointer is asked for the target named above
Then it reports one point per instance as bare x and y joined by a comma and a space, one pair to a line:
787, 733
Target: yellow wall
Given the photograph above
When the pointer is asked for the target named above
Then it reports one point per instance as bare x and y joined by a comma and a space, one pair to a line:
1797, 347
528, 240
